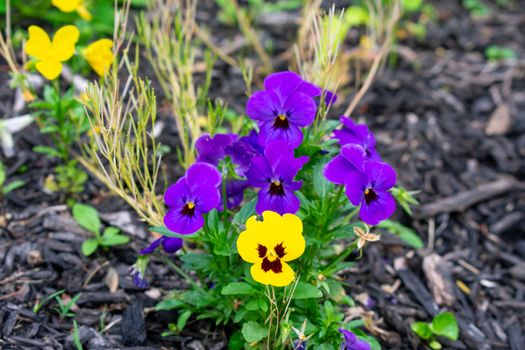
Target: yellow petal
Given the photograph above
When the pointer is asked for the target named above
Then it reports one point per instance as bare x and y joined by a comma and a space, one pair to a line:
67, 5
99, 55
50, 69
294, 242
38, 45
83, 12
247, 244
64, 42
281, 279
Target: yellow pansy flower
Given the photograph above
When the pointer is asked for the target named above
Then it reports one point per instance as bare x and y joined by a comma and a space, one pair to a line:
100, 55
73, 5
269, 244
51, 54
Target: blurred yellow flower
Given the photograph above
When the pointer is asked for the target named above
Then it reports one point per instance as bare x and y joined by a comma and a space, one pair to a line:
51, 54
100, 55
269, 244
73, 5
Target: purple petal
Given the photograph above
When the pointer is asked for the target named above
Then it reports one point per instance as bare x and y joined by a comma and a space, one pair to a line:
172, 244
281, 158
241, 154
151, 248
253, 140
337, 169
183, 224
263, 106
355, 155
202, 174
287, 203
211, 149
382, 176
381, 208
259, 172
283, 84
310, 89
355, 185
351, 342
293, 136
206, 198
301, 109
329, 97
351, 132
177, 193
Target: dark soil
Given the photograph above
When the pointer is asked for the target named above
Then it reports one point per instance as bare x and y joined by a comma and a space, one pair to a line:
452, 123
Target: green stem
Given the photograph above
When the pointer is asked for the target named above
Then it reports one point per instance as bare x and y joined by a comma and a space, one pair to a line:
183, 274
340, 257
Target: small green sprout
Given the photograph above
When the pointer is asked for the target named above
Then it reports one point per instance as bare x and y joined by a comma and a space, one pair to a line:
476, 8
64, 309
443, 324
87, 217
5, 188
40, 304
405, 198
76, 336
498, 53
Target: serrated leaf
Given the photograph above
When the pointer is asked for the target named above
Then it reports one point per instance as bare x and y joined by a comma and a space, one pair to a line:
306, 291
235, 288
446, 325
87, 217
253, 332
89, 246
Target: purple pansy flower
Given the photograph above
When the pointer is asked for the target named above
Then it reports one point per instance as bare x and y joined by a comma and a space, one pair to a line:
284, 107
369, 189
274, 174
359, 134
191, 196
214, 149
351, 158
169, 244
351, 342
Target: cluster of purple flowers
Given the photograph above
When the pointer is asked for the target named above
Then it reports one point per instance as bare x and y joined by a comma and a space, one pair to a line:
263, 160
358, 167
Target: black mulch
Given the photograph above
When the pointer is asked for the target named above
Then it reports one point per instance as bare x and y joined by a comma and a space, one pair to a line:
452, 124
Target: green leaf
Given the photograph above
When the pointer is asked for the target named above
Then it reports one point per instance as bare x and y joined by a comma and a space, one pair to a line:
89, 246
321, 186
196, 261
446, 325
111, 231
235, 288
87, 217
112, 240
49, 151
183, 318
422, 329
253, 332
247, 211
405, 233
355, 16
165, 232
306, 291
2, 174
169, 304
12, 186
434, 344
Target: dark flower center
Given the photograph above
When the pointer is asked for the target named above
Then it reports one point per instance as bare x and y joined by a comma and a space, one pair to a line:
276, 188
272, 259
188, 209
370, 196
281, 122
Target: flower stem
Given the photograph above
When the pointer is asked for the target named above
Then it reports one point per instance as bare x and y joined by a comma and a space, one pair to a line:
183, 274
340, 257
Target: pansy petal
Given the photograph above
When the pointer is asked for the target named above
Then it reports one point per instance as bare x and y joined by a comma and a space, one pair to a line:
379, 209
383, 176
211, 149
202, 174
283, 84
355, 155
38, 45
50, 69
247, 242
172, 244
261, 106
280, 279
177, 194
293, 136
336, 170
282, 204
293, 240
259, 172
177, 222
355, 183
206, 198
301, 109
310, 89
64, 42
66, 5
151, 248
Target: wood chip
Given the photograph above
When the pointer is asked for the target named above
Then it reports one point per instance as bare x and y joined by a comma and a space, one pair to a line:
111, 280
439, 279
499, 122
